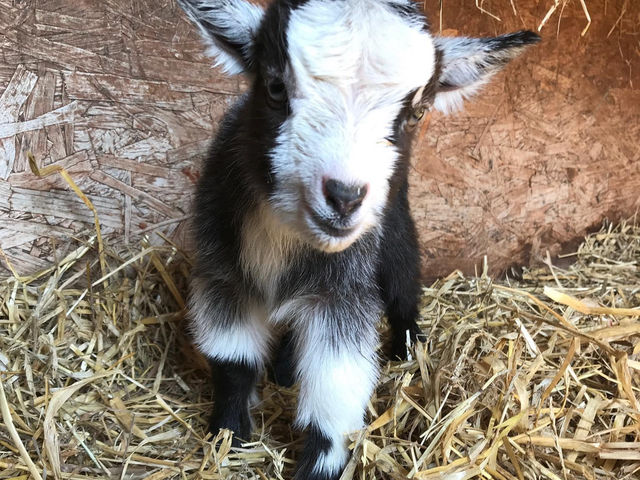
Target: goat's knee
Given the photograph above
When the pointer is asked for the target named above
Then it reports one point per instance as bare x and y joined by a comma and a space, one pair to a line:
227, 327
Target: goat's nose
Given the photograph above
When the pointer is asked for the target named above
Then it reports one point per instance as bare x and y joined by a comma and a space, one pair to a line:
343, 198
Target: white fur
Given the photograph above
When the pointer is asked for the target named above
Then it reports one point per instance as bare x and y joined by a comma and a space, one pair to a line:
267, 246
352, 64
336, 382
333, 461
459, 69
245, 337
334, 391
453, 101
467, 64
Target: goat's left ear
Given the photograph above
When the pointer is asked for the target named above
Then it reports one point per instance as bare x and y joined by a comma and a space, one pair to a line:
468, 63
229, 28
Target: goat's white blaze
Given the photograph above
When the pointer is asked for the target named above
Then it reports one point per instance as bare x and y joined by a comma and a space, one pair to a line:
351, 66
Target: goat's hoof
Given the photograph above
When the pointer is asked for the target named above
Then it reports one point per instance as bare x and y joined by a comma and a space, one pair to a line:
240, 433
398, 348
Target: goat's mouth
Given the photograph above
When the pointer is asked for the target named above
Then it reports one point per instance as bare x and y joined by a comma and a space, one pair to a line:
326, 235
329, 227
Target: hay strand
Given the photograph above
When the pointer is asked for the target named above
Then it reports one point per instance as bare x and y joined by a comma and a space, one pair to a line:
15, 436
527, 379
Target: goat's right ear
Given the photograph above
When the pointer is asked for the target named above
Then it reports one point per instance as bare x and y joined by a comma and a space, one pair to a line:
229, 28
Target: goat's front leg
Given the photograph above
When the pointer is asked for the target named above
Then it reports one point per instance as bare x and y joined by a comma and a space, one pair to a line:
399, 275
337, 370
233, 385
234, 334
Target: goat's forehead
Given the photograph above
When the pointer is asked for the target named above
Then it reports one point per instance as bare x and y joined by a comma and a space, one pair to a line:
367, 44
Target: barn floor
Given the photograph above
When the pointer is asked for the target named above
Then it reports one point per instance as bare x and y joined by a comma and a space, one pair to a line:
532, 378
118, 93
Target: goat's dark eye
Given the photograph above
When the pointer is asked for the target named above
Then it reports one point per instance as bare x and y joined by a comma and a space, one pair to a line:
277, 90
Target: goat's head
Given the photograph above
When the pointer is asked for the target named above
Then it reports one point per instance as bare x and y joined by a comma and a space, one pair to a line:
336, 85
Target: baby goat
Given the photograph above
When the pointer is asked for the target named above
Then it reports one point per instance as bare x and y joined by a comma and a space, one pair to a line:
304, 235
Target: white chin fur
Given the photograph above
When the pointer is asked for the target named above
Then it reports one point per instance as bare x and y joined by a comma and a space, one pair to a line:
320, 240
300, 225
329, 244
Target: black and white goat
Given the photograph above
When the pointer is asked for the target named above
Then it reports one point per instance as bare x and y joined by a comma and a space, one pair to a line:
304, 236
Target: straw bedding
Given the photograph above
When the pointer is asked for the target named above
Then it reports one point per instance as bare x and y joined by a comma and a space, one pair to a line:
532, 378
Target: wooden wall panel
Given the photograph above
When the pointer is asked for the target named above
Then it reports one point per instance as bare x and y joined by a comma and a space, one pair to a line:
119, 93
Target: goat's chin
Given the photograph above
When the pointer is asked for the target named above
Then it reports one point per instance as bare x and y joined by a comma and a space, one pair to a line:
304, 229
333, 245
329, 244
320, 239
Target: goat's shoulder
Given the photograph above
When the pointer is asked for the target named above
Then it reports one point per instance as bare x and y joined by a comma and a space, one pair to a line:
224, 194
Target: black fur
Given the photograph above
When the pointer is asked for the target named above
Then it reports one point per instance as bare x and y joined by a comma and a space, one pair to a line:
283, 363
233, 384
399, 273
411, 11
316, 444
515, 39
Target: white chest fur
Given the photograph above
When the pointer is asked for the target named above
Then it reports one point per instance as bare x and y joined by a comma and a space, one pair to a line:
267, 247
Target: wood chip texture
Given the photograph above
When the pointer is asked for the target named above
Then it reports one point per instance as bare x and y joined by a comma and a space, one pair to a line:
119, 94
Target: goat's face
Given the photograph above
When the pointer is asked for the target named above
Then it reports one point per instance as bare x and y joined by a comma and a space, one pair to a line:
349, 67
334, 84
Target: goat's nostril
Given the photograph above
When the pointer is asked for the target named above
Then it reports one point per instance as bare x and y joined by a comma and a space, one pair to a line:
343, 198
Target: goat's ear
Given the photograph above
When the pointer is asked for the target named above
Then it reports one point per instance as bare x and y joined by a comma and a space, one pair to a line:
468, 63
229, 28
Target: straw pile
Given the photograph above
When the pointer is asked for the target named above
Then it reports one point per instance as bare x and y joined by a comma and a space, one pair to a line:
524, 379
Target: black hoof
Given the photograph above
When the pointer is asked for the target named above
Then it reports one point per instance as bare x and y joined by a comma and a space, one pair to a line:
240, 427
398, 347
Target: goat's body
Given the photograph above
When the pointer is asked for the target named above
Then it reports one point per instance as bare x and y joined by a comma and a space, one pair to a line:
304, 235
255, 280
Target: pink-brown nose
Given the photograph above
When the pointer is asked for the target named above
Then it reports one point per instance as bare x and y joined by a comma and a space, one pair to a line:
344, 199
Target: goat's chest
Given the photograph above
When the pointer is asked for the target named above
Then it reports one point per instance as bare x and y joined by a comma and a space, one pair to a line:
266, 252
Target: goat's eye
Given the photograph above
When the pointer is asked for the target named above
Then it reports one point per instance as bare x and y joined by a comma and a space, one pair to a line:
415, 117
276, 90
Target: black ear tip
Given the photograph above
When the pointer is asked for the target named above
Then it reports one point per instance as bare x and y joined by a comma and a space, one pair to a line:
515, 40
527, 37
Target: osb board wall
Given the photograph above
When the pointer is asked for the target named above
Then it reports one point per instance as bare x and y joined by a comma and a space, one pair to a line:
546, 152
119, 94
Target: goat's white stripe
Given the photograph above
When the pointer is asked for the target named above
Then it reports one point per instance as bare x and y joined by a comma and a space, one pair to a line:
336, 382
243, 336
